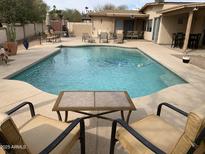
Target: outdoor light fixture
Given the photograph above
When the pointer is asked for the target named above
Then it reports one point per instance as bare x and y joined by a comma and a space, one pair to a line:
132, 17
195, 9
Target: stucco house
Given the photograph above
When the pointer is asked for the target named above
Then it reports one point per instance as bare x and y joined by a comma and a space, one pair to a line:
158, 21
113, 20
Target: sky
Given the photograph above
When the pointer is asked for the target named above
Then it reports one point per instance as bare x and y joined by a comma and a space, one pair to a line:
81, 4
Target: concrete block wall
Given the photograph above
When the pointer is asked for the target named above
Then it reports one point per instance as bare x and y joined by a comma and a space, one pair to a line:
19, 33
39, 28
78, 28
29, 30
3, 36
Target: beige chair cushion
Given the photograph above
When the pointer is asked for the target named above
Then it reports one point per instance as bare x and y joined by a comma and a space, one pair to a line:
11, 135
40, 131
154, 129
195, 123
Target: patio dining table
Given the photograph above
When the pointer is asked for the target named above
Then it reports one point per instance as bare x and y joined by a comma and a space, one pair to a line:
104, 102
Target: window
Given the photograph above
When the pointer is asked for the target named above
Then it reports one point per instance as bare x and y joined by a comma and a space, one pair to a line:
149, 25
118, 24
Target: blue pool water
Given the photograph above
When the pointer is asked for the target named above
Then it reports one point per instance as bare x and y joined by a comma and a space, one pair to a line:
99, 68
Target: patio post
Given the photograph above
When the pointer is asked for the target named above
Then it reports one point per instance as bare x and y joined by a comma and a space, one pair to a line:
188, 30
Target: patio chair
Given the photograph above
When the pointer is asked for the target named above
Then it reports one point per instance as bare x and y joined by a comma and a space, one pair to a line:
119, 38
173, 44
154, 135
135, 35
141, 35
129, 34
87, 38
52, 36
111, 35
103, 37
40, 134
3, 55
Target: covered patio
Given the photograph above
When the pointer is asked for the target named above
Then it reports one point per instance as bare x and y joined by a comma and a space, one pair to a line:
130, 22
183, 26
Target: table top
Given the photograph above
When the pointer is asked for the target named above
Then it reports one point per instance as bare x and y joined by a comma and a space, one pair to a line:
93, 100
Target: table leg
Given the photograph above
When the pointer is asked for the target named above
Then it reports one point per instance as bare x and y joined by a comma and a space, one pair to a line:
122, 115
66, 116
128, 116
59, 115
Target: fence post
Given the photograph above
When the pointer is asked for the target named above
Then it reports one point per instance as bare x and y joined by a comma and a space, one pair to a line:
24, 32
35, 28
42, 28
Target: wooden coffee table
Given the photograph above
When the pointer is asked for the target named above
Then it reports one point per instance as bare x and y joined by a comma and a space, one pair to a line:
104, 101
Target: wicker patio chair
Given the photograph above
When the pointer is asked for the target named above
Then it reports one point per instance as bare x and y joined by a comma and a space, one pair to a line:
141, 35
85, 37
103, 37
129, 34
154, 135
135, 35
40, 134
119, 38
51, 37
3, 55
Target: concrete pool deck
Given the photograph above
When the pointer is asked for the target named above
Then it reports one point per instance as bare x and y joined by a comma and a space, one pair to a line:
186, 96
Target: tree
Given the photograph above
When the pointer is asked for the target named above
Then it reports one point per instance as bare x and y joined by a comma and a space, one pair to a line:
110, 7
72, 15
122, 7
21, 11
55, 13
39, 10
7, 11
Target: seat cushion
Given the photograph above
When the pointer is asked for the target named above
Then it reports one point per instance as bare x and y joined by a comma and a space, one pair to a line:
154, 129
10, 133
195, 124
40, 131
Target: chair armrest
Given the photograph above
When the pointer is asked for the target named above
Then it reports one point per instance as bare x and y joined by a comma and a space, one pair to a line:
51, 146
31, 107
134, 133
171, 107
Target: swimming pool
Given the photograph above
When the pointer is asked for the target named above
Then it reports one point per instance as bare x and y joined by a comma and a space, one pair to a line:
99, 68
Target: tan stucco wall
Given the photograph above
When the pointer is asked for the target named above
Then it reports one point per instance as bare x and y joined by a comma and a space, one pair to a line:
103, 24
78, 28
152, 11
29, 31
169, 25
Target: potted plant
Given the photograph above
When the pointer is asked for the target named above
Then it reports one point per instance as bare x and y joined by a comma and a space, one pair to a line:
11, 44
